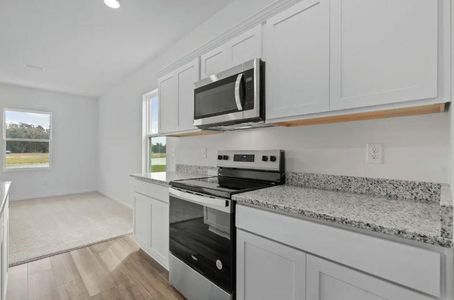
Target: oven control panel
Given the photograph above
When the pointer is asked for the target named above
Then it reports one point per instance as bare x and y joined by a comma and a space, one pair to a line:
260, 160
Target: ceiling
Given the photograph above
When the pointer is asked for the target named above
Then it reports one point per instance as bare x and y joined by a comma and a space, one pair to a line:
86, 47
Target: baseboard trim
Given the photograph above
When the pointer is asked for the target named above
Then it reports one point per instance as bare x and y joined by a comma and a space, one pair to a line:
54, 195
116, 200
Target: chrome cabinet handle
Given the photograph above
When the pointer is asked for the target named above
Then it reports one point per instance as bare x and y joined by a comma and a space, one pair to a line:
237, 92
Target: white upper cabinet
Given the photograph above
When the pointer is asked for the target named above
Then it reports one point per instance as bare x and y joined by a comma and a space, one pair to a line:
187, 76
240, 49
383, 51
297, 60
213, 62
176, 98
168, 103
245, 47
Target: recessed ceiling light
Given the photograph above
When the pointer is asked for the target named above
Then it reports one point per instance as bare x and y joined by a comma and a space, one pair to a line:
34, 67
112, 3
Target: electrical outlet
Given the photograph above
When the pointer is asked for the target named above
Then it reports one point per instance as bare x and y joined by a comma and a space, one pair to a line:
203, 152
374, 153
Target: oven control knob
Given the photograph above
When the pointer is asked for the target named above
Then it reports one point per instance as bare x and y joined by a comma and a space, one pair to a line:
265, 158
272, 158
219, 264
225, 157
220, 157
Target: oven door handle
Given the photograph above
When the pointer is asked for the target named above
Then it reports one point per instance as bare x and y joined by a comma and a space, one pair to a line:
215, 203
237, 92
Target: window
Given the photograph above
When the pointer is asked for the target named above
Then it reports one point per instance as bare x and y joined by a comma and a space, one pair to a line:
154, 145
27, 136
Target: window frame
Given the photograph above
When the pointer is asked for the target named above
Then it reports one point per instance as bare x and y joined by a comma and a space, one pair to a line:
146, 134
5, 168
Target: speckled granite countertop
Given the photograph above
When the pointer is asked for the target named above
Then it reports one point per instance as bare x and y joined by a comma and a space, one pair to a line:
423, 221
181, 172
162, 178
4, 190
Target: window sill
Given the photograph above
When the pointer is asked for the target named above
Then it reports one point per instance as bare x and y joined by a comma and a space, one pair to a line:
20, 169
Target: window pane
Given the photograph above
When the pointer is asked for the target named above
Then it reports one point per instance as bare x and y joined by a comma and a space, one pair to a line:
157, 154
27, 154
27, 125
154, 114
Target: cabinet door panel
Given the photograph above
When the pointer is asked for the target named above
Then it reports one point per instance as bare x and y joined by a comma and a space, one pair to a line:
267, 270
213, 62
297, 56
329, 281
168, 103
383, 51
245, 47
5, 249
142, 220
187, 76
160, 231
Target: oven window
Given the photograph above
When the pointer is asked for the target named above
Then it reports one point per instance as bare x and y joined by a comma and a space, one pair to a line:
201, 237
217, 98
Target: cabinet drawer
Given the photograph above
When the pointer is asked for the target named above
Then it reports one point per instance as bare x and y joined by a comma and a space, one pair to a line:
155, 191
410, 266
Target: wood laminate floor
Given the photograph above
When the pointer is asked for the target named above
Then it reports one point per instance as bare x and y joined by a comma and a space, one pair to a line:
111, 270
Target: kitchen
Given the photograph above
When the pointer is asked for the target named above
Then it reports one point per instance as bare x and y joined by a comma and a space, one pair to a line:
280, 149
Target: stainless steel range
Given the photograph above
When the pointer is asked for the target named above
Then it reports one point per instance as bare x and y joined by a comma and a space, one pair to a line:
202, 222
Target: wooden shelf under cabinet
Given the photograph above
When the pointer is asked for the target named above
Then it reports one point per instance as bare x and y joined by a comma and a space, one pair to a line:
370, 115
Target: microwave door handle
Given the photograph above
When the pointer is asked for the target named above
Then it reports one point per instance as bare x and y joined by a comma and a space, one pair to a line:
237, 92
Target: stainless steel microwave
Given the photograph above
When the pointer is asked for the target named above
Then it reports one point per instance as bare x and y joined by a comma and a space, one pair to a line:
232, 99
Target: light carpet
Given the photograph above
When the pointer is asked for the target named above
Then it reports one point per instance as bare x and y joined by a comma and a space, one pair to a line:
47, 226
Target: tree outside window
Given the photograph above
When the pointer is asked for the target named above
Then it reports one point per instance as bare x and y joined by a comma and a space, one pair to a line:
156, 158
27, 136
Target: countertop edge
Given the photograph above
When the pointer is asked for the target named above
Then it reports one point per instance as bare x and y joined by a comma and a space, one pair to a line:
148, 179
7, 186
444, 240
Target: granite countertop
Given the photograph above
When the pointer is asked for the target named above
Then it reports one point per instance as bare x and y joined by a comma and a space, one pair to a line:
422, 221
4, 190
164, 178
181, 172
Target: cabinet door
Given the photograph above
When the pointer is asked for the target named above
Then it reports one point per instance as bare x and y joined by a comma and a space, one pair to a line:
187, 76
142, 221
383, 51
297, 58
168, 103
329, 281
160, 232
245, 47
267, 270
5, 250
213, 62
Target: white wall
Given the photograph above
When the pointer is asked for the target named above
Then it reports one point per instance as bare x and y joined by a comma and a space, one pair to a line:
415, 147
74, 166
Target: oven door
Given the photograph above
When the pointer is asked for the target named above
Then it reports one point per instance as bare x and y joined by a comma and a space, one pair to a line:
229, 97
202, 236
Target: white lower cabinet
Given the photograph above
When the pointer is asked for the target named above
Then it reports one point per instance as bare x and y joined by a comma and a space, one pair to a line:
285, 258
5, 245
4, 239
267, 270
151, 222
330, 281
